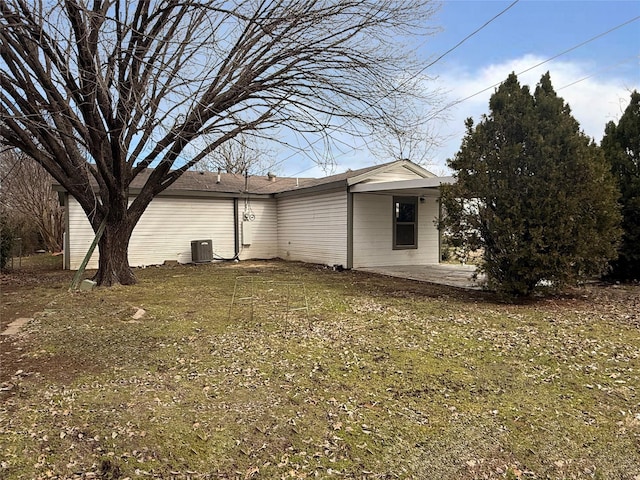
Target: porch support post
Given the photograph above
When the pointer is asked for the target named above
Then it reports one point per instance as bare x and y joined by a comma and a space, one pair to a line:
349, 229
439, 200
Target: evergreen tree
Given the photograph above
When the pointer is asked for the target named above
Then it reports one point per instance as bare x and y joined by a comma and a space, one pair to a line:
533, 192
621, 145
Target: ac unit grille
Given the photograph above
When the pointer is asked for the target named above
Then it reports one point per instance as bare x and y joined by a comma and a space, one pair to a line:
201, 251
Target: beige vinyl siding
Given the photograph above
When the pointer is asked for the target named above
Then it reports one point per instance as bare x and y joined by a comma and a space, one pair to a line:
79, 235
373, 233
264, 229
169, 225
164, 232
313, 228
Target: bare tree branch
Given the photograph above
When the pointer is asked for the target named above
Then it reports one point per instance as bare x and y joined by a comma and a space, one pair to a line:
98, 91
27, 198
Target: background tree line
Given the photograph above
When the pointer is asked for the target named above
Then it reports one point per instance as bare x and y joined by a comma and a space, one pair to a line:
30, 214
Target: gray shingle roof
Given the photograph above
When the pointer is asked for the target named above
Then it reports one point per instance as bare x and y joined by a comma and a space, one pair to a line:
230, 183
192, 181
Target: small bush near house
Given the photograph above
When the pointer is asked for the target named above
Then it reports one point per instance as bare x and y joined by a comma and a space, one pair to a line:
6, 242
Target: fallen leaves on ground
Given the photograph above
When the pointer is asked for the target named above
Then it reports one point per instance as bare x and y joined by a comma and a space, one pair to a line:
381, 378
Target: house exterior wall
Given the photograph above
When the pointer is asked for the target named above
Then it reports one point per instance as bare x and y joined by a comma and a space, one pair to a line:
79, 236
164, 232
264, 229
311, 225
373, 233
313, 228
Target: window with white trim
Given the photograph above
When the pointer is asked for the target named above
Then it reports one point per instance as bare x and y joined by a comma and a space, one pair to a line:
405, 223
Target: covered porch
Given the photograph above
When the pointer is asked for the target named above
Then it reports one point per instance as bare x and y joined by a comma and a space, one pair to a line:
393, 230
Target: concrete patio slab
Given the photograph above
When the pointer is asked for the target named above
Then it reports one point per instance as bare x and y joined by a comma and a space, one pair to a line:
460, 276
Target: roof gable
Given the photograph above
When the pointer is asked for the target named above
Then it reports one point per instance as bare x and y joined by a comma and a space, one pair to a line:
390, 172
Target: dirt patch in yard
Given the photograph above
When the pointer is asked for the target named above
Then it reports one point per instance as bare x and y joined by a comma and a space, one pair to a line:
28, 288
26, 292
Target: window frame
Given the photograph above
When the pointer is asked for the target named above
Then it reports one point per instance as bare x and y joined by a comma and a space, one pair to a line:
406, 200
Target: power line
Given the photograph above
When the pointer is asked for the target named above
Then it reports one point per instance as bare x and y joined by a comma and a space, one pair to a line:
581, 44
466, 38
457, 102
603, 69
484, 25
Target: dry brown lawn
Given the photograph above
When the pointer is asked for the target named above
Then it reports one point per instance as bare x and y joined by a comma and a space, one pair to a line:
381, 378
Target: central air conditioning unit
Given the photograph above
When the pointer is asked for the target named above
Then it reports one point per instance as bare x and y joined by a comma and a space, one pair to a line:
202, 251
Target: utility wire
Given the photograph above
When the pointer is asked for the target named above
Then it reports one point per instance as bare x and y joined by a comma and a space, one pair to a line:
477, 30
603, 69
457, 102
465, 39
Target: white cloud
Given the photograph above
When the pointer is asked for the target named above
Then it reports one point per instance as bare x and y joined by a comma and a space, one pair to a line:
594, 101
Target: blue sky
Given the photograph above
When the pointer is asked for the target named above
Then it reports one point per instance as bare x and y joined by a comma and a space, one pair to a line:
530, 32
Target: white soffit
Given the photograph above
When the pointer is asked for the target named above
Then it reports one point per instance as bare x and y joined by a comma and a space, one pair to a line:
400, 185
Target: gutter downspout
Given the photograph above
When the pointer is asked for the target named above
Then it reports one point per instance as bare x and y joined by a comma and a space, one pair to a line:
349, 229
236, 228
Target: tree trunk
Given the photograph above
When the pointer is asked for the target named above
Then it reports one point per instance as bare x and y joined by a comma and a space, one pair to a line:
113, 264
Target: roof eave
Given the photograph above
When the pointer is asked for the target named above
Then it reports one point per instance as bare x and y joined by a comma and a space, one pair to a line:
399, 185
417, 169
323, 187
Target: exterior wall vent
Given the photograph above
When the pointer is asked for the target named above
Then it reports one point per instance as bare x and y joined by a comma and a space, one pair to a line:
201, 251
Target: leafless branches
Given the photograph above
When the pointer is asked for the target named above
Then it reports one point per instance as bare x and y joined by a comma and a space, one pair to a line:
240, 155
28, 200
98, 91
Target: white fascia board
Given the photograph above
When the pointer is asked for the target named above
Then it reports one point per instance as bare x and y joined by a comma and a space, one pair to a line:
417, 169
433, 182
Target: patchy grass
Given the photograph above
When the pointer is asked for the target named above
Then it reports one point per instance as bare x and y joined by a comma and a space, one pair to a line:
383, 378
19, 296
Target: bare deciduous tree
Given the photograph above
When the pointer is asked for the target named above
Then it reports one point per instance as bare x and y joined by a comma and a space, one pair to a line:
98, 91
239, 155
416, 135
414, 141
28, 200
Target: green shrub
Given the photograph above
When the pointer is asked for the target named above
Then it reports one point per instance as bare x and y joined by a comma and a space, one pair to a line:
534, 194
7, 239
